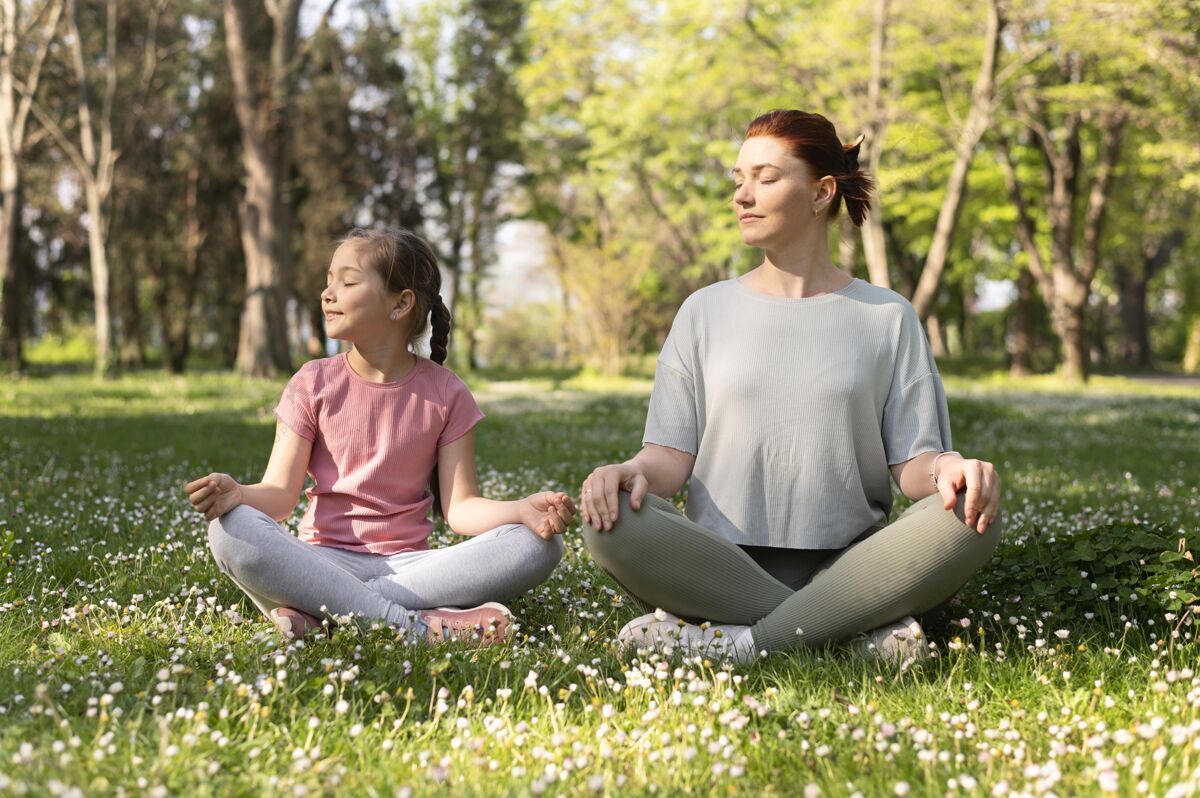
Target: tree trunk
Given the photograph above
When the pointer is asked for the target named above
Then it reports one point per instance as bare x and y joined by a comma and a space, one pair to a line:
1191, 356
847, 245
1133, 285
1020, 339
474, 303
263, 213
315, 346
978, 120
874, 243
132, 327
11, 293
1135, 333
1069, 319
177, 332
1066, 285
14, 117
937, 335
106, 361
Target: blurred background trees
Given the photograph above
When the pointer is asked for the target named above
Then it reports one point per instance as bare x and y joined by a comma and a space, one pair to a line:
176, 173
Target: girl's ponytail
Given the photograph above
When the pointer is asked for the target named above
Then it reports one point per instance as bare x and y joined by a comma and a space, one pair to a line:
440, 338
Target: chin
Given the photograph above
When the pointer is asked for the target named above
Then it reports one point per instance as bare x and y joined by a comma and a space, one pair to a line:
338, 333
752, 240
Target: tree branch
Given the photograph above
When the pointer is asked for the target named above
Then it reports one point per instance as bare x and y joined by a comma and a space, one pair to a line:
688, 251
979, 118
29, 89
1093, 228
68, 147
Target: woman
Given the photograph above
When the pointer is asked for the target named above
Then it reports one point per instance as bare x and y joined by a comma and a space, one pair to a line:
784, 398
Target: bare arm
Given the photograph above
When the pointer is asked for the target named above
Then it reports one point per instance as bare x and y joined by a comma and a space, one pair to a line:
656, 469
467, 513
277, 493
953, 474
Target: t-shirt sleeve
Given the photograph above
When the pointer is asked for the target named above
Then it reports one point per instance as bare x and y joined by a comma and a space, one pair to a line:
462, 411
295, 408
674, 416
915, 417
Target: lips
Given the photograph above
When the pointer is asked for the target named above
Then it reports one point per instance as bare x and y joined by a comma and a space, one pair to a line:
748, 217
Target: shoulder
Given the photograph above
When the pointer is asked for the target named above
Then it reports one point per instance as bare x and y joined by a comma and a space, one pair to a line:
709, 295
447, 383
881, 303
318, 374
703, 304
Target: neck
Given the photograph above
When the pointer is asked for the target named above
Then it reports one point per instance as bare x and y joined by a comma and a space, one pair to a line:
382, 360
800, 267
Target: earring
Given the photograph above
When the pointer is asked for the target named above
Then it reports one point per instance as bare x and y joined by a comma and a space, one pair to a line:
816, 211
393, 315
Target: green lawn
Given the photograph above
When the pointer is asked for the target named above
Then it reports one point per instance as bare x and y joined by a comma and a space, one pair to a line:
130, 665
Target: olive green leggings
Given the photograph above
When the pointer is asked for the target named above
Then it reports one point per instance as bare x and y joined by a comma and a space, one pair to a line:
792, 597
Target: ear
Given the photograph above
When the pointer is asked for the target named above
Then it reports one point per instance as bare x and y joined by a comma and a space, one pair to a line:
823, 192
405, 301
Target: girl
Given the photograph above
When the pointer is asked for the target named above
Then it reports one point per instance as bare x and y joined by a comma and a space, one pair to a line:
370, 427
784, 398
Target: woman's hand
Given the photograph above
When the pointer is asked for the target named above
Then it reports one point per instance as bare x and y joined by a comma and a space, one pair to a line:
982, 484
214, 495
600, 491
547, 513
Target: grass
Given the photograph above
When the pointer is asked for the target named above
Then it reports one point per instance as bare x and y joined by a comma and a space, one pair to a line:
132, 666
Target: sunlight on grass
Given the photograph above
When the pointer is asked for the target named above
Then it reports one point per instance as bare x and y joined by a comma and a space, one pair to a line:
132, 664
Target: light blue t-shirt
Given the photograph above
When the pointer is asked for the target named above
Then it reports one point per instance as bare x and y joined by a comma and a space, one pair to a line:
795, 408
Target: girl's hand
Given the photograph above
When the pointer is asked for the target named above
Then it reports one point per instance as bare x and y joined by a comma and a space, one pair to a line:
600, 493
547, 513
214, 495
982, 484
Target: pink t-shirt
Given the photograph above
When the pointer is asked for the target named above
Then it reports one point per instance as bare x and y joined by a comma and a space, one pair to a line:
374, 449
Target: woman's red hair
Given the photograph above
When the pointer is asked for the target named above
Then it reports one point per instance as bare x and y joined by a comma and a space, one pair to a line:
813, 139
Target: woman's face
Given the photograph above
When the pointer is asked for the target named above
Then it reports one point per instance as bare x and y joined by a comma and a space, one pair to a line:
774, 193
355, 300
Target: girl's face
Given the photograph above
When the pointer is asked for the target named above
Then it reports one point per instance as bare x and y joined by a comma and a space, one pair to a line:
356, 303
774, 193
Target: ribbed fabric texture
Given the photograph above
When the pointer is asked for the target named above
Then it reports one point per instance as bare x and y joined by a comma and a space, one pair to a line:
374, 449
794, 409
906, 568
276, 570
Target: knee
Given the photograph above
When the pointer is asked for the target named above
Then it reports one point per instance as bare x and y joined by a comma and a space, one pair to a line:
548, 553
540, 555
615, 549
986, 542
605, 545
233, 539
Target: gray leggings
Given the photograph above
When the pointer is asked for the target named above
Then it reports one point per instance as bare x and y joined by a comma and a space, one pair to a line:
792, 597
277, 569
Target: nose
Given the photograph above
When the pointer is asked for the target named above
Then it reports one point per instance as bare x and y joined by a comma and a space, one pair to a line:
742, 195
327, 294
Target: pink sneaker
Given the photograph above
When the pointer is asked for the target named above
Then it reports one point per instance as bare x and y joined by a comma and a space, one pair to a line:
479, 626
295, 624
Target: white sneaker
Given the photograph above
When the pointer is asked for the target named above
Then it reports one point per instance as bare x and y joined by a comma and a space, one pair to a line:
902, 643
666, 633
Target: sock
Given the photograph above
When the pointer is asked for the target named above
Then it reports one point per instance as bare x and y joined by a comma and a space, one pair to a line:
744, 644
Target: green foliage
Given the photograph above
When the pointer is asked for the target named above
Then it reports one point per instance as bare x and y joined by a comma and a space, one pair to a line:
1118, 569
76, 347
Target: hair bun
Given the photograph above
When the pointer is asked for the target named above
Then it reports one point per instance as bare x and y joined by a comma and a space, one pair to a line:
851, 153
